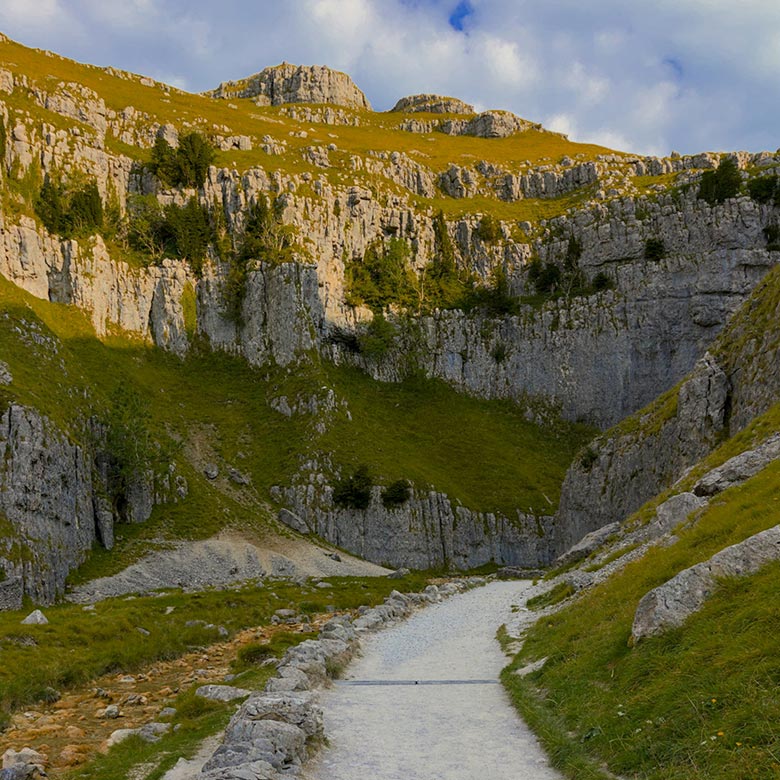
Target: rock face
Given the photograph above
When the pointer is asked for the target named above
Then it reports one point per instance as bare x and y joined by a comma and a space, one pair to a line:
670, 605
434, 104
52, 508
45, 502
426, 532
620, 472
288, 83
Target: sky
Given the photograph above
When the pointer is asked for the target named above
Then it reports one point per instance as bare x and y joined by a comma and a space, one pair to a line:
647, 77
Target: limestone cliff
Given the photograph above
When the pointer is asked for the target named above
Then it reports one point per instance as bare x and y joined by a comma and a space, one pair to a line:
729, 387
288, 83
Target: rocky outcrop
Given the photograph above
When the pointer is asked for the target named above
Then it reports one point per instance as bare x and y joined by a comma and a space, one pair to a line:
428, 531
433, 104
143, 301
53, 506
46, 504
619, 472
671, 604
490, 124
739, 468
287, 83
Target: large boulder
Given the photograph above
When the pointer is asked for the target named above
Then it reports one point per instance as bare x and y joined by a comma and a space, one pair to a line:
669, 605
739, 468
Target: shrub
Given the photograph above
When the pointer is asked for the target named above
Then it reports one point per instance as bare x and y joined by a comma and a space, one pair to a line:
145, 231
654, 249
573, 254
68, 212
602, 281
588, 458
85, 212
128, 447
377, 339
396, 494
489, 229
546, 278
765, 189
443, 285
772, 234
495, 300
499, 352
186, 166
722, 183
382, 277
188, 232
354, 492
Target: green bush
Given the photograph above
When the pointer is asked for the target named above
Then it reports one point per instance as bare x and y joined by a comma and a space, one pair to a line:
489, 229
765, 189
69, 212
588, 457
354, 492
443, 285
602, 281
772, 234
499, 353
127, 448
181, 231
546, 278
722, 183
496, 300
186, 166
396, 494
382, 277
377, 339
654, 249
187, 232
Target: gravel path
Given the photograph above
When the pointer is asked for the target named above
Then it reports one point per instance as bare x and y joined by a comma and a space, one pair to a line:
403, 728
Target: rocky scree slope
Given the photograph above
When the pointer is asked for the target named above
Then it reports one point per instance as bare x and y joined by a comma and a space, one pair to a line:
648, 272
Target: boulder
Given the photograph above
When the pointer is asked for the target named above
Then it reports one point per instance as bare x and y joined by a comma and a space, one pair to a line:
36, 618
588, 544
221, 692
669, 605
739, 468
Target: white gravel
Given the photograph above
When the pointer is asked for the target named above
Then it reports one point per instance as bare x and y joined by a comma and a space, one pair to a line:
439, 731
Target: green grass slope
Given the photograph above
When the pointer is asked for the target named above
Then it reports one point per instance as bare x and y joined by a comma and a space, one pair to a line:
698, 702
212, 407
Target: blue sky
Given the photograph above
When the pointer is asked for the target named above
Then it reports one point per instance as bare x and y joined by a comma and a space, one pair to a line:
688, 75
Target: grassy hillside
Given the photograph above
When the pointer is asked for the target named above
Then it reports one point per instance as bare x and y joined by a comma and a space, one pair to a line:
697, 702
373, 133
215, 408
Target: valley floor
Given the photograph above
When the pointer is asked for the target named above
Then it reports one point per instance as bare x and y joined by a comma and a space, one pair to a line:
434, 708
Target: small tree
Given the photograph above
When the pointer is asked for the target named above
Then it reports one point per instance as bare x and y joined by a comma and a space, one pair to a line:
721, 184
489, 229
396, 494
128, 442
354, 492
